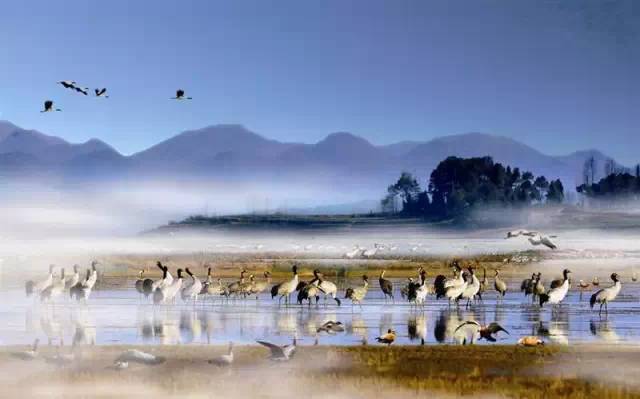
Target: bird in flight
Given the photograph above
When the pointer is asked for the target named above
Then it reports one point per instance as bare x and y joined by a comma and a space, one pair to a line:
68, 84
48, 107
101, 92
180, 95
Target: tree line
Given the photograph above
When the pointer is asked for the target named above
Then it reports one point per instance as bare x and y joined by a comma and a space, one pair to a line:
458, 185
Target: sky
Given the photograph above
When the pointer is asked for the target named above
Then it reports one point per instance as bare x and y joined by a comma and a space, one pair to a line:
557, 75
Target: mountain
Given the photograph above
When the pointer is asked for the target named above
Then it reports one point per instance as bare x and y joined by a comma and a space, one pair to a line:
341, 161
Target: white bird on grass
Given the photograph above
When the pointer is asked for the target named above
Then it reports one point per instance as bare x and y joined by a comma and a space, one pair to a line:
280, 353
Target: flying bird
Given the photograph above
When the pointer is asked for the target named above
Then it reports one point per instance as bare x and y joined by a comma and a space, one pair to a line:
101, 92
542, 240
280, 353
180, 95
68, 84
84, 91
48, 107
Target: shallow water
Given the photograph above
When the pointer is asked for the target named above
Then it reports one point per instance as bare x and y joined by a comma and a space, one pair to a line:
121, 316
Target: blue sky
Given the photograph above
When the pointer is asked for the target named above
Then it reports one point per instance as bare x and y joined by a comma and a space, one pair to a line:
559, 76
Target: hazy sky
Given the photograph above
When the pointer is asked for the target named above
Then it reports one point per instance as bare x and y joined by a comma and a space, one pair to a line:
557, 75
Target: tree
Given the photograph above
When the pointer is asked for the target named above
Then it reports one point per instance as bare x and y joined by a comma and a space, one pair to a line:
589, 170
555, 194
408, 188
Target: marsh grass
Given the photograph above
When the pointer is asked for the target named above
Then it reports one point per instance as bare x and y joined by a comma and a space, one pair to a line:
337, 372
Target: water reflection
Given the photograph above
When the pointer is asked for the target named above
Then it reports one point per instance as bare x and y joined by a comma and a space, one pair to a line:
604, 330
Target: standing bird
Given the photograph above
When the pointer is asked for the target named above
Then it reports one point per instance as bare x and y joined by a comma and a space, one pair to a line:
326, 287
224, 360
192, 291
180, 95
32, 287
259, 287
538, 287
140, 282
73, 280
479, 331
483, 283
386, 286
285, 289
473, 287
527, 285
387, 338
101, 92
499, 285
55, 289
595, 282
557, 294
48, 107
357, 294
606, 295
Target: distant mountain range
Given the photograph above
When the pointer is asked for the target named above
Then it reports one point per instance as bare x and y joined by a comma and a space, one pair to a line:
341, 161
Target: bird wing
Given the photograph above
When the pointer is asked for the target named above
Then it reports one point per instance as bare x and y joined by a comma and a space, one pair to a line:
495, 327
468, 323
276, 350
288, 350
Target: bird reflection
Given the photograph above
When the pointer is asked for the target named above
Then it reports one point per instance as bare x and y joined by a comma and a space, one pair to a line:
446, 323
556, 332
358, 328
417, 328
604, 330
190, 326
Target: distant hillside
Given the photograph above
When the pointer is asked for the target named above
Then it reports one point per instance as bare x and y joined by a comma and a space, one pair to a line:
341, 161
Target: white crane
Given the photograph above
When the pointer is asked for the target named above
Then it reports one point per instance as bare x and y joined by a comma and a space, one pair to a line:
36, 288
55, 289
606, 295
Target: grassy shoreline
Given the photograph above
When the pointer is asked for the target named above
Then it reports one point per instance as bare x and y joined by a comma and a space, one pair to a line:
358, 371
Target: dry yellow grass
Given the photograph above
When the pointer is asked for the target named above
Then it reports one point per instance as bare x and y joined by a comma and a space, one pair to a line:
337, 372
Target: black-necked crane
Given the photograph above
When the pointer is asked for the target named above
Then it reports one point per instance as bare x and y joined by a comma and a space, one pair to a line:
192, 291
280, 353
165, 281
479, 331
527, 285
499, 285
81, 90
101, 92
285, 289
555, 295
357, 295
327, 287
68, 84
32, 287
172, 291
55, 289
73, 280
308, 292
206, 283
180, 95
386, 286
160, 293
48, 107
387, 338
606, 295
418, 290
473, 287
224, 360
28, 354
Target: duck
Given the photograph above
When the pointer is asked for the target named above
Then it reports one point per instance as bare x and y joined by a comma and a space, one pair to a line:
331, 327
387, 338
530, 340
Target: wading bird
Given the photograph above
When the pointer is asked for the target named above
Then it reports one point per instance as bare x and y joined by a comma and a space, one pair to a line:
557, 294
259, 287
527, 285
473, 287
606, 295
36, 288
387, 338
326, 287
386, 286
358, 294
55, 289
73, 280
285, 289
48, 107
193, 290
499, 285
180, 95
479, 331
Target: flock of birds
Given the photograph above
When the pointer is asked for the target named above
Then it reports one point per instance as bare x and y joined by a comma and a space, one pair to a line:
98, 92
463, 285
